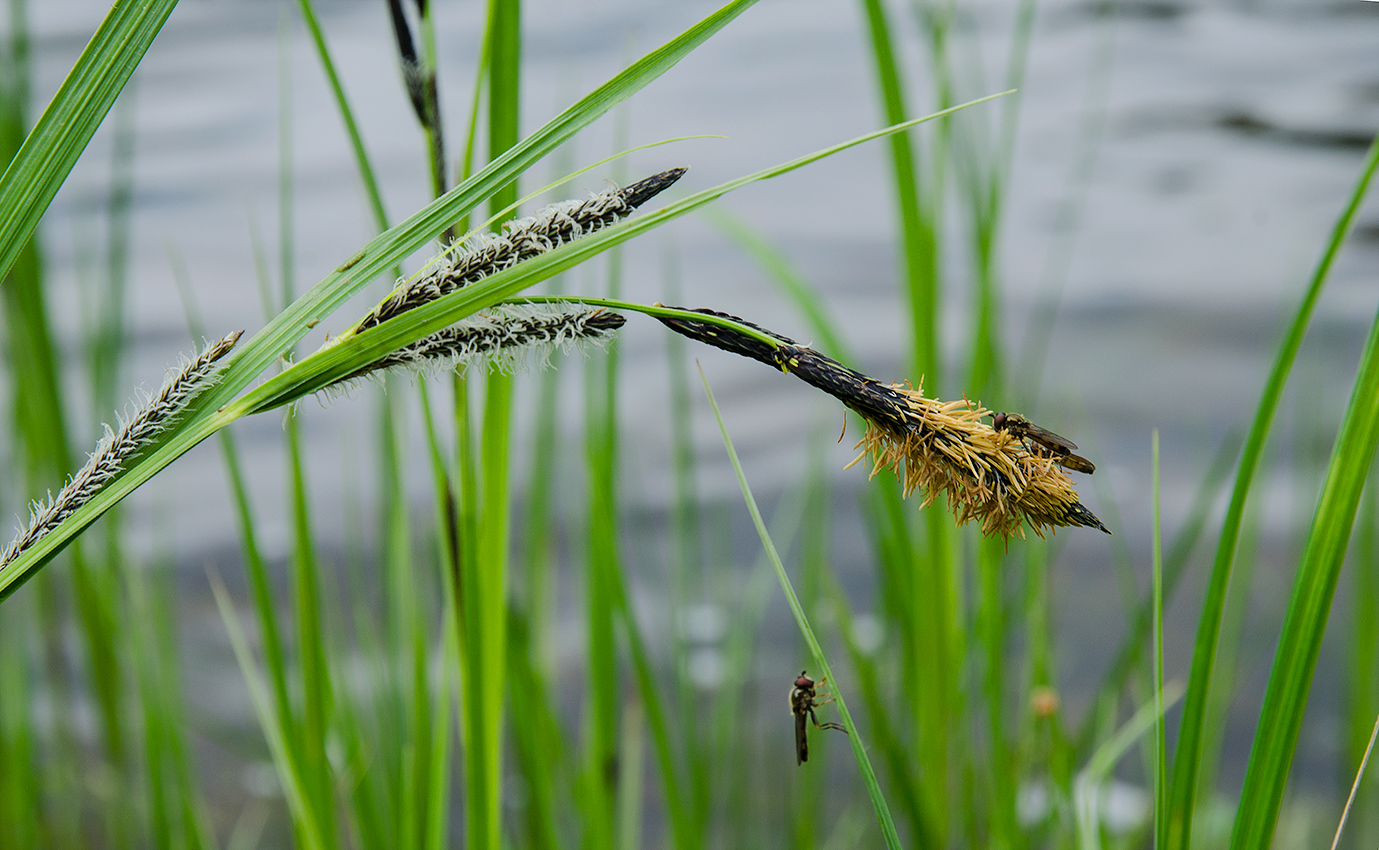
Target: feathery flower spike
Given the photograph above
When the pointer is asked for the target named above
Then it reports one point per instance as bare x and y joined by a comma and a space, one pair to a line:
506, 337
119, 445
932, 446
484, 254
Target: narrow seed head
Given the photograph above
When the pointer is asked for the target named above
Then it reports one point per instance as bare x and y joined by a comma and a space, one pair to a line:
484, 254
505, 339
936, 448
135, 433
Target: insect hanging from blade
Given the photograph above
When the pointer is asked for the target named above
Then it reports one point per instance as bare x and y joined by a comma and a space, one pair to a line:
1051, 445
804, 698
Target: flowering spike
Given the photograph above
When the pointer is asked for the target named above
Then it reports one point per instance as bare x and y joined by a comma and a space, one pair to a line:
484, 254
933, 447
119, 445
505, 337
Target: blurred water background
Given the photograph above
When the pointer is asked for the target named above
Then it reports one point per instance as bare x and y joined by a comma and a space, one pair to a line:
1177, 168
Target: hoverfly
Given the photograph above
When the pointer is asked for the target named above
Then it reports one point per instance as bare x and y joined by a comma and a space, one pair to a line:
1059, 448
804, 698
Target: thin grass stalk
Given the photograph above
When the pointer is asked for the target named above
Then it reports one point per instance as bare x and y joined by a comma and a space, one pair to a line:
604, 588
539, 538
538, 742
100, 589
265, 606
1187, 756
537, 737
735, 763
992, 626
305, 825
191, 810
985, 199
1362, 697
67, 817
809, 820
883, 814
159, 814
437, 823
1157, 593
686, 831
1235, 654
1058, 261
1355, 786
938, 649
685, 557
488, 654
633, 755
1180, 549
449, 552
602, 563
107, 337
1314, 587
370, 726
899, 767
21, 804
313, 666
405, 764
361, 157
494, 522
917, 236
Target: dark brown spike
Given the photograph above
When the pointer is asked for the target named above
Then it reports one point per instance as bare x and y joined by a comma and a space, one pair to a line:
1078, 514
644, 190
727, 338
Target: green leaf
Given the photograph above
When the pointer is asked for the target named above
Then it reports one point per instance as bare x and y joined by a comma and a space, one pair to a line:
1188, 756
1304, 625
71, 119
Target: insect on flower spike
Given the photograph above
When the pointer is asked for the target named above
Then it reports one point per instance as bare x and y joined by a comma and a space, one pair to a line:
933, 447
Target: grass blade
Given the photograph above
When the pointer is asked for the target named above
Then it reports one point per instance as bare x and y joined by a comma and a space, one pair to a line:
67, 125
1314, 588
1188, 755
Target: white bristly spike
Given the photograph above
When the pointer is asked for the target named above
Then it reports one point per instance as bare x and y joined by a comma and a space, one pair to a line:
135, 432
504, 339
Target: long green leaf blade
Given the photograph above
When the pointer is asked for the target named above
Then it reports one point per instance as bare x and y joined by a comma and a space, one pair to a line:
1304, 625
67, 125
1188, 756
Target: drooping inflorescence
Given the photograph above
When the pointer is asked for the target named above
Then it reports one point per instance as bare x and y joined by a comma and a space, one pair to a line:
119, 445
937, 448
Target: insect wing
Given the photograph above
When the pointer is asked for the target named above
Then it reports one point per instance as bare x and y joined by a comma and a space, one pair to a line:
1077, 464
1046, 437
